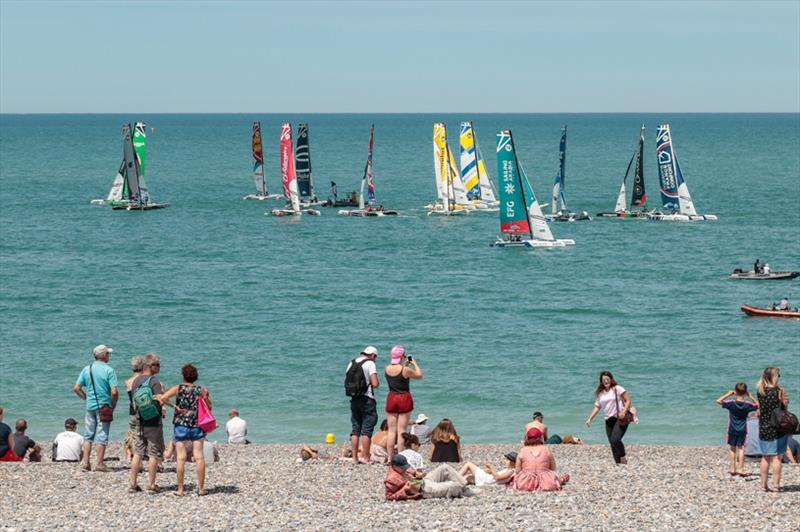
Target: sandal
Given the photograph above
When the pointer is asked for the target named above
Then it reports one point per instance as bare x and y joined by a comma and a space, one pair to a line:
152, 490
564, 479
178, 494
201, 493
134, 489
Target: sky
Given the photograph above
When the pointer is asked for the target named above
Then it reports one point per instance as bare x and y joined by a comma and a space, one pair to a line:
398, 57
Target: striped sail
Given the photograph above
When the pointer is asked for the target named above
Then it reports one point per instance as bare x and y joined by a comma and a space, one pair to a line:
140, 147
513, 208
258, 160
303, 164
440, 164
559, 202
288, 176
666, 169
469, 162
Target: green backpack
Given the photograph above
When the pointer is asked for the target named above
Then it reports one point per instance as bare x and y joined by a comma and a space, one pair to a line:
145, 402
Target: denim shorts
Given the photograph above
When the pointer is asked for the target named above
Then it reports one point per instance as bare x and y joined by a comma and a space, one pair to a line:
188, 433
363, 415
95, 430
774, 447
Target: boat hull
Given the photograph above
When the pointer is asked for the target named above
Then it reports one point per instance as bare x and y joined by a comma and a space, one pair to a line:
769, 313
290, 212
259, 197
358, 213
148, 207
772, 276
533, 243
569, 217
680, 217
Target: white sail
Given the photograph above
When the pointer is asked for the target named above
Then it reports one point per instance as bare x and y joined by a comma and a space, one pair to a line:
621, 201
487, 188
556, 194
459, 190
115, 194
438, 162
539, 227
685, 200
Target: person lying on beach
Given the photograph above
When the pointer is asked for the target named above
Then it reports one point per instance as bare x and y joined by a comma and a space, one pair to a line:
536, 467
403, 483
489, 476
739, 407
326, 453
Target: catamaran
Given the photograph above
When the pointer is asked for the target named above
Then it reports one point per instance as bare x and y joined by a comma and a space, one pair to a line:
367, 180
559, 210
450, 191
675, 197
302, 157
638, 196
258, 167
129, 190
521, 218
289, 177
350, 200
480, 189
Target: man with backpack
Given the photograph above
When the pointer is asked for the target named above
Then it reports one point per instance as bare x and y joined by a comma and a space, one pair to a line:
360, 382
147, 391
97, 385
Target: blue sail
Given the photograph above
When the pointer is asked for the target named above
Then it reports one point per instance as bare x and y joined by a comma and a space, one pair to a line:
667, 174
559, 201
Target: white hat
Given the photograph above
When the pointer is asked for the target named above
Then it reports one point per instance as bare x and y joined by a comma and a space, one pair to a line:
370, 350
422, 418
101, 350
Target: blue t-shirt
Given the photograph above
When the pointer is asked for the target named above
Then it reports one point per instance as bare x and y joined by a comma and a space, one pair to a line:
104, 378
738, 414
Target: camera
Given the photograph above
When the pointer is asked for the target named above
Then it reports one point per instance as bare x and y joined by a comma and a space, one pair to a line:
410, 359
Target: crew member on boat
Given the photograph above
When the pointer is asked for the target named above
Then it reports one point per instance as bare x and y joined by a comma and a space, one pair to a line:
757, 266
784, 304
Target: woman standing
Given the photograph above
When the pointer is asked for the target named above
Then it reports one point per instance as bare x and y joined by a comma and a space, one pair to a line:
137, 365
615, 403
399, 402
773, 445
535, 466
188, 396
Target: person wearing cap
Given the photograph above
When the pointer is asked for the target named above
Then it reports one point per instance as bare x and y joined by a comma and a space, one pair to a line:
399, 403
421, 430
535, 466
363, 408
537, 423
68, 445
403, 483
236, 428
489, 476
400, 483
97, 385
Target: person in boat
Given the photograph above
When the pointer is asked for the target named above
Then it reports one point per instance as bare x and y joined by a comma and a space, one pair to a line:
757, 266
784, 304
766, 269
380, 207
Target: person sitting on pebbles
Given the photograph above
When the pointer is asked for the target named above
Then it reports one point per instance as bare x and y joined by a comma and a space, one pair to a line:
402, 483
489, 476
536, 467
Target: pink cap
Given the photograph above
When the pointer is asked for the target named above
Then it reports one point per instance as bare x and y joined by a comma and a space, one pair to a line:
397, 353
533, 434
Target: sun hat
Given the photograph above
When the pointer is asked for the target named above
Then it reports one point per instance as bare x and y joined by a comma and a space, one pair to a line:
422, 418
70, 422
511, 456
370, 350
101, 349
400, 461
533, 434
397, 353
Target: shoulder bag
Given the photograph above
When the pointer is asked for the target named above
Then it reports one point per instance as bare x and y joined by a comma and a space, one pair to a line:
105, 412
628, 416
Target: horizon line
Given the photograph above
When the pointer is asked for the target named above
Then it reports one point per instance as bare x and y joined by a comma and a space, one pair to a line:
394, 112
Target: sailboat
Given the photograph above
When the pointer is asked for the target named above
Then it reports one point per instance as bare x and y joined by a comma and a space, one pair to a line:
521, 218
258, 167
638, 196
289, 177
558, 205
302, 157
675, 197
480, 190
450, 191
368, 182
129, 190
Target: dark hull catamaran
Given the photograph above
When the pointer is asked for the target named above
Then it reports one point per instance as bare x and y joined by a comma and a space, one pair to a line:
558, 207
638, 195
367, 181
351, 200
302, 160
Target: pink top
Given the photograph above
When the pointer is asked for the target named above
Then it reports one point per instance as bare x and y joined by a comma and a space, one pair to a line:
605, 401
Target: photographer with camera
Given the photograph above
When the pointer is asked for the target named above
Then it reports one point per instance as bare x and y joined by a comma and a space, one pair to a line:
399, 403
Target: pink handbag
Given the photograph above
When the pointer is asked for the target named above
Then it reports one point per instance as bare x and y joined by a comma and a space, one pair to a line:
205, 418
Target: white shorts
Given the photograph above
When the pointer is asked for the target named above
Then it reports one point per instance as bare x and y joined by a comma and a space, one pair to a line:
482, 478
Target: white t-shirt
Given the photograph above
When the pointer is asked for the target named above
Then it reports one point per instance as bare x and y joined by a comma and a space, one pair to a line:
605, 401
369, 369
423, 432
69, 446
236, 428
414, 458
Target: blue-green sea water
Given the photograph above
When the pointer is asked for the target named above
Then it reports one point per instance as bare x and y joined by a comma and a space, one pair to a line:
271, 310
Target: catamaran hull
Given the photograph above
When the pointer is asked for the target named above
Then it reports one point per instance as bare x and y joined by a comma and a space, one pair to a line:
259, 197
622, 214
659, 217
769, 313
148, 207
771, 276
533, 243
363, 214
570, 217
340, 203
290, 212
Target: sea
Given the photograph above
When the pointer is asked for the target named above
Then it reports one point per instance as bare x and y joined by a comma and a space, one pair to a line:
271, 310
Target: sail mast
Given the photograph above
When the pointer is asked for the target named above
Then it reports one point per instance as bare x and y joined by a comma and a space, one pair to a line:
258, 160
520, 185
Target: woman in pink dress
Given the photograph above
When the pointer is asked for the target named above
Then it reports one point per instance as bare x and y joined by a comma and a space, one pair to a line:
536, 467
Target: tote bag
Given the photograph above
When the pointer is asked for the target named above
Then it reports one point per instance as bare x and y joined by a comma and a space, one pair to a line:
205, 418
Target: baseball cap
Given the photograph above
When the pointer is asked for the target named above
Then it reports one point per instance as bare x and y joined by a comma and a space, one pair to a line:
511, 456
400, 461
397, 353
101, 350
537, 414
70, 422
370, 350
422, 418
533, 434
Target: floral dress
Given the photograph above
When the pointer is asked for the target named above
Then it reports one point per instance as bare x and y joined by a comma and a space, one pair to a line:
186, 400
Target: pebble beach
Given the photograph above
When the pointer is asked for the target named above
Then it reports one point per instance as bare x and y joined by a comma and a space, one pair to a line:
264, 487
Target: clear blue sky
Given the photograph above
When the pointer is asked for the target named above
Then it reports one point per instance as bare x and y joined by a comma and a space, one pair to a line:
247, 56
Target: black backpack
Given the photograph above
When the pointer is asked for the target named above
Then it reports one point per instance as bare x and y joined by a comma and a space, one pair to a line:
355, 383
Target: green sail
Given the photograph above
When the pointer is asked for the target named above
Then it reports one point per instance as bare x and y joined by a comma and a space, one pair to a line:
513, 208
140, 145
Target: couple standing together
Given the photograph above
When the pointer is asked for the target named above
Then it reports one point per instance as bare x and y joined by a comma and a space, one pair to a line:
361, 385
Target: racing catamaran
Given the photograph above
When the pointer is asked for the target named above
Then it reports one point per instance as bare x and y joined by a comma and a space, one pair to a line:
675, 197
302, 157
451, 194
129, 190
258, 167
559, 210
480, 190
367, 181
521, 218
638, 196
289, 177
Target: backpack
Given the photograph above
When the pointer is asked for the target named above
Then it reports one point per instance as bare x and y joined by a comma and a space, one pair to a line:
784, 422
145, 402
355, 383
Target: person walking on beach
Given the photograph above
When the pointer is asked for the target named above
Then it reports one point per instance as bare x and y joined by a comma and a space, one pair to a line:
97, 385
68, 445
615, 403
360, 387
773, 444
187, 396
149, 430
738, 410
236, 428
399, 403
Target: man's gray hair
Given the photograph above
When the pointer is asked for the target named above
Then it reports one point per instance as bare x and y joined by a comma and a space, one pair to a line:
137, 363
149, 359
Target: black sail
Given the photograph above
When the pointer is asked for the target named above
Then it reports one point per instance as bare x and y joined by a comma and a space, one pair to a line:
302, 161
130, 164
638, 195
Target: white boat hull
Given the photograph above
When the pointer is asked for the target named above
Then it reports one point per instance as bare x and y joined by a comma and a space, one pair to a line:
290, 212
681, 217
259, 197
533, 243
358, 213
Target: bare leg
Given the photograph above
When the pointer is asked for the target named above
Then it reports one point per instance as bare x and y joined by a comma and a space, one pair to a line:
777, 466
764, 472
732, 458
354, 447
180, 468
200, 462
402, 423
740, 459
152, 466
101, 455
391, 437
87, 452
366, 441
136, 463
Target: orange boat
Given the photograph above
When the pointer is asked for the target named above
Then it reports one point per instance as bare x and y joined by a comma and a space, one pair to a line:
770, 313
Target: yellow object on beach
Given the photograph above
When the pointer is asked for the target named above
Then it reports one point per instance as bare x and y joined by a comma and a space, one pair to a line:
330, 438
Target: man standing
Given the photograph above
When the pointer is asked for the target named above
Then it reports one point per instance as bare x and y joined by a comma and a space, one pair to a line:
363, 408
236, 428
149, 429
67, 446
97, 384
